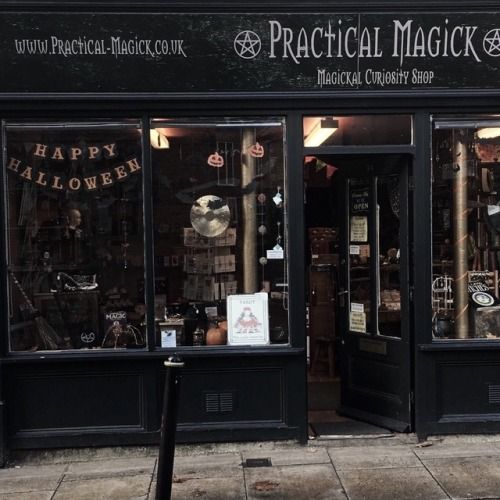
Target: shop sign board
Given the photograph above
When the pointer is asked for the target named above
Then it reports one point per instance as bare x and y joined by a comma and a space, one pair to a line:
81, 52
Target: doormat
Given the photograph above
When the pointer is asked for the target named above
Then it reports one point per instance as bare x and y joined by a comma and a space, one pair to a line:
348, 429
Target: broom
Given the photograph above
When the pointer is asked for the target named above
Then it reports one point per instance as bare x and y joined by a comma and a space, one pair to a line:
49, 337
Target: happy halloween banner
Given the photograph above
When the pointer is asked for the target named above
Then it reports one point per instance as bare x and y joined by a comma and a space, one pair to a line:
44, 156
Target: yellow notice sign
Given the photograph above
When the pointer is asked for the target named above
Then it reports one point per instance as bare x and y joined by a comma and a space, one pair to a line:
359, 228
357, 322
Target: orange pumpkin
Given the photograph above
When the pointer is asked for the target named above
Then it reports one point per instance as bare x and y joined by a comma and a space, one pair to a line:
216, 336
215, 160
256, 150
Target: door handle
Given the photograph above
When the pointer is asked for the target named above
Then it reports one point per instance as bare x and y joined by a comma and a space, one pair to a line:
341, 297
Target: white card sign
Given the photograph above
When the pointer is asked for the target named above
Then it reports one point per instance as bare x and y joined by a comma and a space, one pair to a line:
274, 254
357, 307
168, 337
248, 319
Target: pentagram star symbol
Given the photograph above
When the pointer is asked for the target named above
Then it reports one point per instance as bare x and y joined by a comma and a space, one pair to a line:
491, 43
247, 44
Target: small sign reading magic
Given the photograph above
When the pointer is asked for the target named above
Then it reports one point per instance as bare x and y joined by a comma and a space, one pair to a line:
167, 53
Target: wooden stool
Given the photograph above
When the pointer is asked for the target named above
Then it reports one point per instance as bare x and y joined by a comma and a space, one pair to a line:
324, 353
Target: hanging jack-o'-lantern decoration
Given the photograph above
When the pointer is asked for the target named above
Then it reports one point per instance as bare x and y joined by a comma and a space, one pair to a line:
215, 160
256, 150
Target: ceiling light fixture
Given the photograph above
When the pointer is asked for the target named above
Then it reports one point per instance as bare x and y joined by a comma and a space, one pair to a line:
323, 129
158, 141
488, 133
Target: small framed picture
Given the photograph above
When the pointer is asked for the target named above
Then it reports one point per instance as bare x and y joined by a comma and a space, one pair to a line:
248, 319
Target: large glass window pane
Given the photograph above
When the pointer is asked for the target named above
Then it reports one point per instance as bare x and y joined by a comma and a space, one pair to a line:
220, 237
357, 130
75, 251
466, 229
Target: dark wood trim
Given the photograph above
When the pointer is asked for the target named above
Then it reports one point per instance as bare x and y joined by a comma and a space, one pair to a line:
227, 352
420, 98
336, 6
148, 233
460, 345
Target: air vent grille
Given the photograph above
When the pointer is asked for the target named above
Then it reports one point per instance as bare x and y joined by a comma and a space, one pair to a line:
212, 403
494, 394
226, 402
219, 402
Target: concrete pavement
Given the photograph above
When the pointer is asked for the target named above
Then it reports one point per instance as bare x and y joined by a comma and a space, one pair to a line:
395, 468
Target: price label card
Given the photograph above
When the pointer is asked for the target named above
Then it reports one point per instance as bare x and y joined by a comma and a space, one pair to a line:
275, 254
211, 312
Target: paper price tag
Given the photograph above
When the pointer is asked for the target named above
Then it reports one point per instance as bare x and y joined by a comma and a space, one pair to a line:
275, 254
354, 249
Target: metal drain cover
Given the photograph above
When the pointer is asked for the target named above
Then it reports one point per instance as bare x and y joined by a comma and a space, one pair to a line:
257, 462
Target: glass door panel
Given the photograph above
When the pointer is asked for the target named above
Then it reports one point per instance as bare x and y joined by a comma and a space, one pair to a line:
388, 244
360, 276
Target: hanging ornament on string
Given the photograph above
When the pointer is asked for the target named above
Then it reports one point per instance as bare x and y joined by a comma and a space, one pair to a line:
278, 198
215, 160
262, 229
256, 150
278, 246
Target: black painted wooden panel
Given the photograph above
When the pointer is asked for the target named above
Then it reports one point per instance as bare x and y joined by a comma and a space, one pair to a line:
465, 390
233, 395
379, 377
84, 401
57, 404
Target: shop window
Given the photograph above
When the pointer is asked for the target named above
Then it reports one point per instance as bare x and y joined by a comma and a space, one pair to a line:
220, 233
466, 229
75, 238
357, 130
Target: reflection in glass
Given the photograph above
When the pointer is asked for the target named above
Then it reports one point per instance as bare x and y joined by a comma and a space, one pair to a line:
219, 208
75, 236
357, 130
389, 308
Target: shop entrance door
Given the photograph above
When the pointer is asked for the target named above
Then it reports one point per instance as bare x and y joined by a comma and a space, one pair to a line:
373, 293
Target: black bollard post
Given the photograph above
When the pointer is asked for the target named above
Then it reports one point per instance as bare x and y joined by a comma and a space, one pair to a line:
168, 428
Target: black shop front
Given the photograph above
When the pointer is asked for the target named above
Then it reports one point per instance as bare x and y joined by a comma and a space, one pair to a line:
302, 203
